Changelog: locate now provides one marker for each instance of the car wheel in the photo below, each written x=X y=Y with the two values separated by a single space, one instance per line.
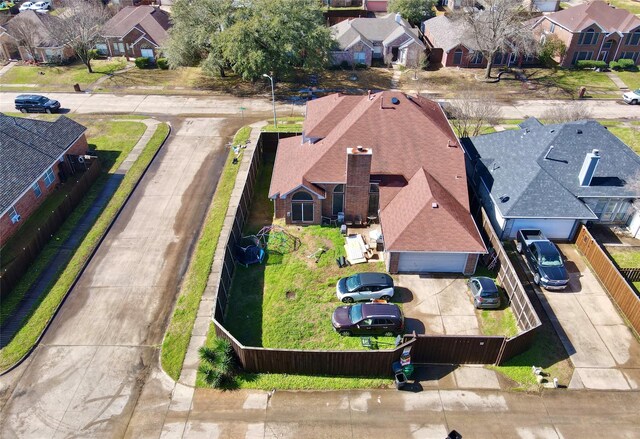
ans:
x=536 y=279
x=634 y=102
x=385 y=297
x=519 y=247
x=23 y=110
x=347 y=299
x=389 y=334
x=48 y=111
x=345 y=333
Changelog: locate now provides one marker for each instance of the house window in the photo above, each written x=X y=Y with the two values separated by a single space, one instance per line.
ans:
x=36 y=189
x=49 y=177
x=359 y=57
x=629 y=55
x=338 y=199
x=374 y=199
x=500 y=58
x=457 y=57
x=302 y=207
x=633 y=39
x=119 y=47
x=588 y=37
x=579 y=56
x=552 y=28
x=477 y=58
x=13 y=214
x=607 y=44
x=613 y=211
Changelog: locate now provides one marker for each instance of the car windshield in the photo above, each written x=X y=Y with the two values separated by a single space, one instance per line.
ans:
x=43 y=100
x=550 y=261
x=353 y=282
x=489 y=294
x=355 y=313
x=637 y=91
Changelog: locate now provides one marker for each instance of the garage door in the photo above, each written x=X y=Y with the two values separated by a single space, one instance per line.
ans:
x=432 y=262
x=552 y=228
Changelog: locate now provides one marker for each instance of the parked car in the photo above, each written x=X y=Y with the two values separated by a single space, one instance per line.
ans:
x=368 y=319
x=6 y=5
x=36 y=103
x=25 y=6
x=485 y=292
x=632 y=97
x=40 y=6
x=365 y=286
x=543 y=259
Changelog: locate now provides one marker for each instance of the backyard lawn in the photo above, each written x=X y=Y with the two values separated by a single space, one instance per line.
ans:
x=56 y=78
x=626 y=258
x=287 y=302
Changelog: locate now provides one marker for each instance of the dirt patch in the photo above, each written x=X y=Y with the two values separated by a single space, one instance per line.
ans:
x=291 y=295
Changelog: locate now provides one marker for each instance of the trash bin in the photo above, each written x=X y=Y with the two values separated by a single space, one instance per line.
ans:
x=408 y=370
x=401 y=380
x=76 y=87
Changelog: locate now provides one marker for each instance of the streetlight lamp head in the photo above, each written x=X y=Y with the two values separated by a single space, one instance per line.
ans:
x=265 y=75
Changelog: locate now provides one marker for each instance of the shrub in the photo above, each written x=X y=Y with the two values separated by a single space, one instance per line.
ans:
x=93 y=53
x=614 y=65
x=361 y=66
x=627 y=64
x=217 y=364
x=142 y=62
x=163 y=63
x=591 y=64
x=345 y=64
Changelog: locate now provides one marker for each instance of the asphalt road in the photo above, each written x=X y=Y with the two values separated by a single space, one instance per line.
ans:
x=231 y=106
x=85 y=377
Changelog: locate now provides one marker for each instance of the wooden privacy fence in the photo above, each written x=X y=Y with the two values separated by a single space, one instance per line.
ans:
x=619 y=289
x=446 y=349
x=12 y=272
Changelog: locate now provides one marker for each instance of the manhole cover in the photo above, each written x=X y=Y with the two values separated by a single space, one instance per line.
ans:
x=291 y=295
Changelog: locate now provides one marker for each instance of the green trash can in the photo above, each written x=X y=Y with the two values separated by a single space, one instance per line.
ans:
x=408 y=370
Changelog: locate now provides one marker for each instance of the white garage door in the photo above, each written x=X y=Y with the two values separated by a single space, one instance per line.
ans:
x=432 y=262
x=552 y=228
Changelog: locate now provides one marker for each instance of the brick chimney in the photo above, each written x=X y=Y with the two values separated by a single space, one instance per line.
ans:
x=357 y=188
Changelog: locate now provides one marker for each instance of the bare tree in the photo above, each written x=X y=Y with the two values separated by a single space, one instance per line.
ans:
x=418 y=63
x=501 y=27
x=79 y=27
x=567 y=113
x=469 y=115
x=26 y=37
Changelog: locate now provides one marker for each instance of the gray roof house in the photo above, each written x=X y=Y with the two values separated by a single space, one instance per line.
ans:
x=553 y=177
x=360 y=40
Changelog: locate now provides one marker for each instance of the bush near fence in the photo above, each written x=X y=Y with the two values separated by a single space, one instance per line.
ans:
x=13 y=272
x=447 y=349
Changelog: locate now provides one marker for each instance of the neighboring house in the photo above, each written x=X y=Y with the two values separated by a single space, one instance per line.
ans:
x=450 y=42
x=553 y=177
x=34 y=156
x=388 y=157
x=534 y=5
x=25 y=37
x=389 y=38
x=135 y=31
x=593 y=31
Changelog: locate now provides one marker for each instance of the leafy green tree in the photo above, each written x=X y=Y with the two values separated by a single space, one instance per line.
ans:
x=276 y=35
x=414 y=11
x=196 y=33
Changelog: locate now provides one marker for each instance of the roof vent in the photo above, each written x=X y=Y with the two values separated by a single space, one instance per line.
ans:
x=552 y=131
x=527 y=130
x=451 y=144
x=395 y=101
x=579 y=131
x=546 y=156
x=434 y=205
x=361 y=148
x=504 y=198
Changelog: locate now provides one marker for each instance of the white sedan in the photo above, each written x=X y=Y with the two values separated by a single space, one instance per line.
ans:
x=40 y=6
x=632 y=97
x=25 y=6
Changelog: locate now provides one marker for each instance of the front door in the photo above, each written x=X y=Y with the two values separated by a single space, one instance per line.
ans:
x=603 y=55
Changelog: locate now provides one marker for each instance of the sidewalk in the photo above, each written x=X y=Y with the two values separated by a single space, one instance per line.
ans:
x=13 y=324
x=6 y=68
x=617 y=81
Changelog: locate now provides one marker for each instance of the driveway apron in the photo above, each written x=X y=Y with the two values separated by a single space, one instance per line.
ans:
x=85 y=378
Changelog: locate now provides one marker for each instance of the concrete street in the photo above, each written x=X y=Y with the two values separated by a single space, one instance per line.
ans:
x=85 y=377
x=217 y=105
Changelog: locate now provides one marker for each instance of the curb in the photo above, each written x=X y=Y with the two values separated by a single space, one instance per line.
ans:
x=88 y=261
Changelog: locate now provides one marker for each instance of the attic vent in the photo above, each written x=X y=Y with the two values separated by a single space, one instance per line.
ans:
x=504 y=198
x=395 y=101
x=527 y=130
x=579 y=132
x=451 y=144
x=434 y=205
x=552 y=131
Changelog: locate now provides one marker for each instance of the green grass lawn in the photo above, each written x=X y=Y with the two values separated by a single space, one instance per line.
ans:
x=630 y=5
x=292 y=124
x=631 y=79
x=625 y=257
x=630 y=136
x=52 y=77
x=178 y=334
x=43 y=312
x=569 y=81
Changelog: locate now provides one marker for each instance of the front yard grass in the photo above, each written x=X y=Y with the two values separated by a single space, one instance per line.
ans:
x=630 y=136
x=630 y=5
x=28 y=335
x=631 y=79
x=178 y=334
x=60 y=77
x=292 y=124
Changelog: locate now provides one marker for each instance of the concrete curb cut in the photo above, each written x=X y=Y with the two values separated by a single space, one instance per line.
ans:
x=88 y=261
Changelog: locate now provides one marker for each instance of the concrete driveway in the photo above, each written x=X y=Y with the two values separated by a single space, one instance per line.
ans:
x=601 y=347
x=438 y=305
x=86 y=376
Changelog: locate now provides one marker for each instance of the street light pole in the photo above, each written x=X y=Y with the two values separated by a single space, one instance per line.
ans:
x=273 y=99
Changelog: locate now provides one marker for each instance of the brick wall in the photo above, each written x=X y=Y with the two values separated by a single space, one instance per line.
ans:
x=356 y=197
x=26 y=205
x=283 y=210
x=393 y=259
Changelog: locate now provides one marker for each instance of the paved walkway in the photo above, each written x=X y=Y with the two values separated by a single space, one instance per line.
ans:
x=13 y=324
x=395 y=78
x=617 y=81
x=6 y=68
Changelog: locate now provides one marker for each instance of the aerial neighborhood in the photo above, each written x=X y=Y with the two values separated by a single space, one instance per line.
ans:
x=214 y=213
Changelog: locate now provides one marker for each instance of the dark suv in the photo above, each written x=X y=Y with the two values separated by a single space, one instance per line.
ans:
x=36 y=103
x=368 y=319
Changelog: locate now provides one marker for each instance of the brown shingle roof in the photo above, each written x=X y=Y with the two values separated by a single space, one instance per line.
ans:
x=406 y=137
x=610 y=19
x=153 y=21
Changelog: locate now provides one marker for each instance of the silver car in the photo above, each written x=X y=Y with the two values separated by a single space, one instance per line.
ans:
x=365 y=286
x=485 y=292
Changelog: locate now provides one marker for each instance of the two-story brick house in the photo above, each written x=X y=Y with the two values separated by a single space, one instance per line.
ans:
x=593 y=31
x=34 y=156
x=135 y=31
x=386 y=157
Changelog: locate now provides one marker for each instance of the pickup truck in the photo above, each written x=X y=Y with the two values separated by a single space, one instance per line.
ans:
x=543 y=259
